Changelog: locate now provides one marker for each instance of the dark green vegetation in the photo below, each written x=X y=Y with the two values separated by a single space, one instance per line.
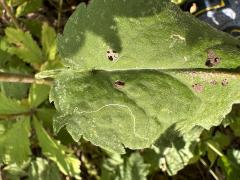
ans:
x=135 y=78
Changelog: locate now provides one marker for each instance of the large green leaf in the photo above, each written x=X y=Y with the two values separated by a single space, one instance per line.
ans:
x=145 y=34
x=155 y=76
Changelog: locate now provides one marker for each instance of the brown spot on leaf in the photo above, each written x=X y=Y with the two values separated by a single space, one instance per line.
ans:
x=112 y=55
x=197 y=87
x=212 y=59
x=193 y=73
x=224 y=82
x=213 y=82
x=119 y=84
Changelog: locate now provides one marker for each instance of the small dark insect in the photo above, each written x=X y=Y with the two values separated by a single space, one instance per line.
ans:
x=212 y=59
x=197 y=87
x=224 y=82
x=112 y=55
x=119 y=84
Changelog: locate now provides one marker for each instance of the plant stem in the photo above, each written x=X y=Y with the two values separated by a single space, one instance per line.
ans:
x=211 y=171
x=10 y=13
x=59 y=14
x=20 y=78
x=52 y=3
x=14 y=116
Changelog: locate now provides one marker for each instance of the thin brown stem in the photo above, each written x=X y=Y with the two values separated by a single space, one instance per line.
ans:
x=52 y=3
x=10 y=13
x=59 y=14
x=210 y=170
x=20 y=78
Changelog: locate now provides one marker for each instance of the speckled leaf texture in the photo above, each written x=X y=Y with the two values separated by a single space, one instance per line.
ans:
x=136 y=68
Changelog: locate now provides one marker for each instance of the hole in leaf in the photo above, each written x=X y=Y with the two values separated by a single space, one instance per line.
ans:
x=112 y=55
x=224 y=82
x=197 y=87
x=119 y=84
x=212 y=59
x=213 y=82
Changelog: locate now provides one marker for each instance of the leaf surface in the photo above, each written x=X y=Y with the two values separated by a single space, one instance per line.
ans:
x=38 y=94
x=23 y=46
x=41 y=169
x=11 y=106
x=128 y=168
x=133 y=74
x=28 y=7
x=231 y=164
x=15 y=145
x=175 y=151
x=48 y=41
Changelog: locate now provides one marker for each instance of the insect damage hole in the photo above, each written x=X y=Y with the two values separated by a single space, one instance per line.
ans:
x=213 y=82
x=224 y=82
x=197 y=87
x=212 y=59
x=112 y=55
x=119 y=84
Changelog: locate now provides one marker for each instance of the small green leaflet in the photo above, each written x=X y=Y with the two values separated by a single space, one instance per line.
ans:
x=231 y=164
x=15 y=145
x=126 y=168
x=48 y=41
x=23 y=46
x=41 y=169
x=11 y=106
x=67 y=163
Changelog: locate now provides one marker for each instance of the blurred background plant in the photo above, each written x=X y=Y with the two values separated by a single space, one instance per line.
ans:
x=28 y=147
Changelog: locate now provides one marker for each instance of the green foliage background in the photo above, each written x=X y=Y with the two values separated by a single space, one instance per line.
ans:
x=153 y=127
